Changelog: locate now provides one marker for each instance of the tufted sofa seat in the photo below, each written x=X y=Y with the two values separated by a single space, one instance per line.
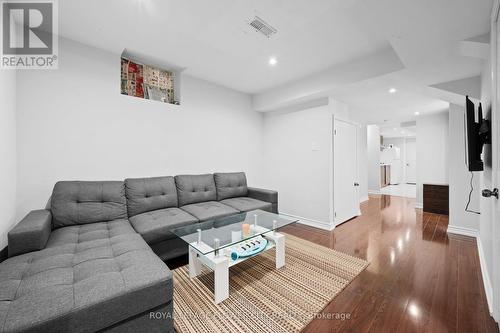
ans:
x=91 y=275
x=156 y=226
x=157 y=205
x=93 y=260
x=232 y=191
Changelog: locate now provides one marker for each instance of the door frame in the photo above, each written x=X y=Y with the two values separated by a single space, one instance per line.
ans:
x=336 y=118
x=495 y=121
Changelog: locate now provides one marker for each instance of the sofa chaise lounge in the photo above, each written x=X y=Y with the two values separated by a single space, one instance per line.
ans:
x=93 y=259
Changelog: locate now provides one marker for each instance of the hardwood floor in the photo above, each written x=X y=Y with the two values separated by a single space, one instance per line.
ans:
x=420 y=279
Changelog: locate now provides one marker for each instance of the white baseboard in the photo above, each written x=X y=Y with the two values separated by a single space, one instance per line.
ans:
x=311 y=222
x=364 y=198
x=375 y=192
x=419 y=205
x=488 y=289
x=462 y=231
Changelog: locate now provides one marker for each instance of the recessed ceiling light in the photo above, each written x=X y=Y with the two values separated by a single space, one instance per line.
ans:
x=417 y=113
x=273 y=61
x=392 y=90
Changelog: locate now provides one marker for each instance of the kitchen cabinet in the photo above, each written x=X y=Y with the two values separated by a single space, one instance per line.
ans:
x=385 y=175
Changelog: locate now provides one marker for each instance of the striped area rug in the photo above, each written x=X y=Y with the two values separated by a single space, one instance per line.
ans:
x=262 y=298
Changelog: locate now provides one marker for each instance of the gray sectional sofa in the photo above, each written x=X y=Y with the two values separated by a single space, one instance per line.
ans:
x=93 y=260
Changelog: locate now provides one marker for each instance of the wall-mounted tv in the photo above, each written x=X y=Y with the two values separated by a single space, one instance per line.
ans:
x=477 y=133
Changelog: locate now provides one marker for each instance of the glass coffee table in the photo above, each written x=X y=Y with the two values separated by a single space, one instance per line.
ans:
x=221 y=243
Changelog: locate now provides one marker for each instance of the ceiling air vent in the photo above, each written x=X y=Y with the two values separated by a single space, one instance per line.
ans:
x=262 y=26
x=408 y=124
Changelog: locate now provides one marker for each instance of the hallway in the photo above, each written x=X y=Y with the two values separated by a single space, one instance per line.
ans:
x=420 y=279
x=400 y=190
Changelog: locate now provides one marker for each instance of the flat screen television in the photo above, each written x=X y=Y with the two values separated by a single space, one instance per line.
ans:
x=477 y=133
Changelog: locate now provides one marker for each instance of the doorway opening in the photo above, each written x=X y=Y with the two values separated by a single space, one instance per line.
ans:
x=398 y=161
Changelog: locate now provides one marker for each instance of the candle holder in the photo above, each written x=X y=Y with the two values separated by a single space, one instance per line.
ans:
x=216 y=246
x=245 y=230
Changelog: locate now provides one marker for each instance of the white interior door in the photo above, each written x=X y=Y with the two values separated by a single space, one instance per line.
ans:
x=411 y=161
x=346 y=197
x=495 y=121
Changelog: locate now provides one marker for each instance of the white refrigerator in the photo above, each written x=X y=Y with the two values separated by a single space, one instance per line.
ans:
x=392 y=155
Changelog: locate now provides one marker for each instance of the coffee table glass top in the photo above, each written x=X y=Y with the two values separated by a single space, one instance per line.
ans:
x=231 y=230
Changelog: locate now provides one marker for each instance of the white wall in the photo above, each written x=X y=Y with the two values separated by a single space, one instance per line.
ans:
x=298 y=155
x=432 y=151
x=7 y=152
x=459 y=176
x=373 y=149
x=73 y=123
x=298 y=159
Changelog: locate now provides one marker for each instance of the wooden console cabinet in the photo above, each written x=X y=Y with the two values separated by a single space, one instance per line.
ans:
x=436 y=198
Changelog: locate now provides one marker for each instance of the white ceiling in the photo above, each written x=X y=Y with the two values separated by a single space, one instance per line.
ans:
x=213 y=41
x=396 y=131
x=372 y=103
x=425 y=35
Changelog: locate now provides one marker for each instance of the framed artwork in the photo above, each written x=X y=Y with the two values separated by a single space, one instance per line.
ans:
x=147 y=82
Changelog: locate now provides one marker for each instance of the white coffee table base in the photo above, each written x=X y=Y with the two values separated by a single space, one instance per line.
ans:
x=220 y=264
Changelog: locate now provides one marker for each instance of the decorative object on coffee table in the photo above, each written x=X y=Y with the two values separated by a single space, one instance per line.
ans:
x=214 y=251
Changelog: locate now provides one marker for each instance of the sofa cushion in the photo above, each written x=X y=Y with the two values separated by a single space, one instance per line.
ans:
x=230 y=185
x=96 y=232
x=204 y=211
x=81 y=202
x=195 y=188
x=147 y=194
x=88 y=278
x=245 y=204
x=156 y=226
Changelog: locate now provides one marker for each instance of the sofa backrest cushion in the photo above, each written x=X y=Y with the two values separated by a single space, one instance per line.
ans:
x=195 y=188
x=83 y=202
x=230 y=185
x=148 y=194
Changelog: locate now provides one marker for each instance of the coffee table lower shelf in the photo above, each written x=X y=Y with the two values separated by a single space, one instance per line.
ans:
x=220 y=264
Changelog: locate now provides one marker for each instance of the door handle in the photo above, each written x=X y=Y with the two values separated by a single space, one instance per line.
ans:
x=488 y=193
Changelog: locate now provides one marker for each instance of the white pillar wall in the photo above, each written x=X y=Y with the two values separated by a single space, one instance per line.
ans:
x=459 y=176
x=432 y=151
x=373 y=163
x=302 y=140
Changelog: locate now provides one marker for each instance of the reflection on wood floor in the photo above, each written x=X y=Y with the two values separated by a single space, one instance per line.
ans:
x=420 y=279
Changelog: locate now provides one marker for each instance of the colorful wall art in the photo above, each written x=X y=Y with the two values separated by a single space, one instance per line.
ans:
x=147 y=82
